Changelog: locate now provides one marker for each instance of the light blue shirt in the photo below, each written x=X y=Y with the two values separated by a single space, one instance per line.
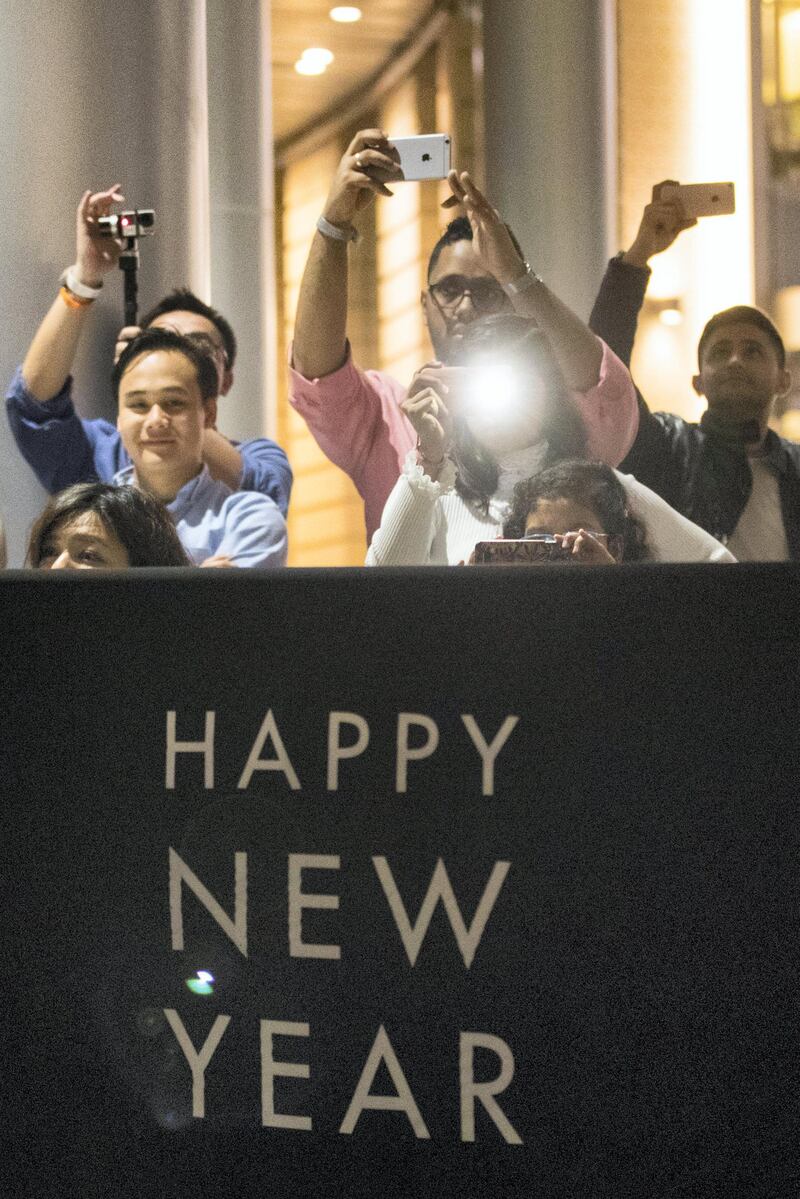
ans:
x=212 y=520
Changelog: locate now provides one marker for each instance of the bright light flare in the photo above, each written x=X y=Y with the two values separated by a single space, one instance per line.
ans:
x=317 y=54
x=499 y=398
x=496 y=387
x=202 y=984
x=306 y=67
x=314 y=61
x=672 y=317
x=345 y=14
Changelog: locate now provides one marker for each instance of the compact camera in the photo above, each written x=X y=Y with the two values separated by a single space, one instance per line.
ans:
x=137 y=222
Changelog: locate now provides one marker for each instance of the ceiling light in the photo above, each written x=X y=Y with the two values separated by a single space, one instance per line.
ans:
x=345 y=13
x=317 y=54
x=309 y=66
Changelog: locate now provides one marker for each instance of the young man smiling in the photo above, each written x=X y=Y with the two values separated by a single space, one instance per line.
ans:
x=60 y=447
x=166 y=389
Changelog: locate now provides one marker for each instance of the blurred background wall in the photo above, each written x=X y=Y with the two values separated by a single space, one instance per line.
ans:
x=229 y=119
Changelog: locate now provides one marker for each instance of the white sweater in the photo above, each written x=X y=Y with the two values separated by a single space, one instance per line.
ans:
x=429 y=524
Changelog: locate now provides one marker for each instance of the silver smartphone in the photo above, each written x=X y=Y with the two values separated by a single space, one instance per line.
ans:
x=423 y=157
x=702 y=199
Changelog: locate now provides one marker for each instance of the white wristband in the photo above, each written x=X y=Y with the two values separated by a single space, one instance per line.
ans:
x=82 y=290
x=335 y=232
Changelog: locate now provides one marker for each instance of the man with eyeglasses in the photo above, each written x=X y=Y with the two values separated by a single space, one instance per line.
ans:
x=62 y=448
x=476 y=268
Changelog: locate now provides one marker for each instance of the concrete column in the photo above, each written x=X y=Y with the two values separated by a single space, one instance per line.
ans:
x=94 y=93
x=548 y=110
x=243 y=206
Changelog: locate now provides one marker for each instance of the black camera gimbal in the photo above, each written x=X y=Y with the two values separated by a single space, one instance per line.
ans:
x=129 y=227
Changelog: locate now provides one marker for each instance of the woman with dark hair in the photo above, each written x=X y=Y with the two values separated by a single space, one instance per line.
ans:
x=508 y=415
x=95 y=526
x=514 y=392
x=531 y=387
x=576 y=500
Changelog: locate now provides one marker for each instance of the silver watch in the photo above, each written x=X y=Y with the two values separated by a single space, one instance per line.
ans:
x=523 y=283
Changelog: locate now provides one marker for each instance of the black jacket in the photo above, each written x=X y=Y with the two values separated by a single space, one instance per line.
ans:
x=695 y=470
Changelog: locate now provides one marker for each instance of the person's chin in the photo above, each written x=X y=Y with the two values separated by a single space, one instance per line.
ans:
x=736 y=404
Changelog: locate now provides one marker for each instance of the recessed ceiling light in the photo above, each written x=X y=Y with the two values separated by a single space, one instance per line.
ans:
x=345 y=13
x=310 y=66
x=317 y=54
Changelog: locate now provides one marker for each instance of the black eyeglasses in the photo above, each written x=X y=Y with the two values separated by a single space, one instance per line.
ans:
x=486 y=294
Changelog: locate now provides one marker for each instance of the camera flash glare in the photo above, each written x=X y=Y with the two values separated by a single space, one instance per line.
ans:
x=494 y=389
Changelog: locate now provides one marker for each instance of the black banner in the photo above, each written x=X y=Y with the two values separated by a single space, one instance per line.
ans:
x=425 y=883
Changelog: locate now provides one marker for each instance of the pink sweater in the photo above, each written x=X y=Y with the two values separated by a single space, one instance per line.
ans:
x=357 y=422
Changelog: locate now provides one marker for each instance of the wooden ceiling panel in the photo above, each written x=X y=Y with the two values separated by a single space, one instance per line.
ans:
x=358 y=49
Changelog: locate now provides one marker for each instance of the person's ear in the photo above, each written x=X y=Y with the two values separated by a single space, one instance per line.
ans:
x=227 y=382
x=784 y=383
x=210 y=409
x=697 y=384
x=425 y=300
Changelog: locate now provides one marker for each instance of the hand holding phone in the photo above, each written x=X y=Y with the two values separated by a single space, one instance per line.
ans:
x=701 y=199
x=423 y=157
x=579 y=547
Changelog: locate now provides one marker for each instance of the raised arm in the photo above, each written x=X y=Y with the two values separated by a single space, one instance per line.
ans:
x=616 y=310
x=49 y=359
x=320 y=334
x=410 y=532
x=578 y=352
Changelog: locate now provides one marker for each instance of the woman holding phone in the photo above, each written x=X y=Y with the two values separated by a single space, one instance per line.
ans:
x=512 y=409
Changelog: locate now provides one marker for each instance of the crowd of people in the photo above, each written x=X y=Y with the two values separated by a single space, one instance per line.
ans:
x=525 y=424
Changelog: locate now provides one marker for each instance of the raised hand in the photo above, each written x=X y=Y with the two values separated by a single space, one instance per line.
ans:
x=490 y=237
x=124 y=338
x=586 y=548
x=368 y=164
x=662 y=221
x=426 y=408
x=96 y=254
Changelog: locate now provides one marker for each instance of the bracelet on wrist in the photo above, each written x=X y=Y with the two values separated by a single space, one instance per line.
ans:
x=73 y=301
x=82 y=290
x=516 y=286
x=423 y=457
x=337 y=232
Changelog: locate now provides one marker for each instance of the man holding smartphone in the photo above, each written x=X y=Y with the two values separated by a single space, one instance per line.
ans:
x=475 y=269
x=730 y=473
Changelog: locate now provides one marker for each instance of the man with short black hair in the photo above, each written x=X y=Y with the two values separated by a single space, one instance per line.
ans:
x=730 y=473
x=166 y=388
x=62 y=448
x=476 y=268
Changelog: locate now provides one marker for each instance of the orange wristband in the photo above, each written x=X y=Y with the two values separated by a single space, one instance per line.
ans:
x=73 y=301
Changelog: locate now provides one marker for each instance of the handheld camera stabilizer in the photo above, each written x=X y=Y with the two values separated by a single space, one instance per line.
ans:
x=129 y=227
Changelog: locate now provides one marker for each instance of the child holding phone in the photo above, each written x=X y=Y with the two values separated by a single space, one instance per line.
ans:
x=584 y=507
